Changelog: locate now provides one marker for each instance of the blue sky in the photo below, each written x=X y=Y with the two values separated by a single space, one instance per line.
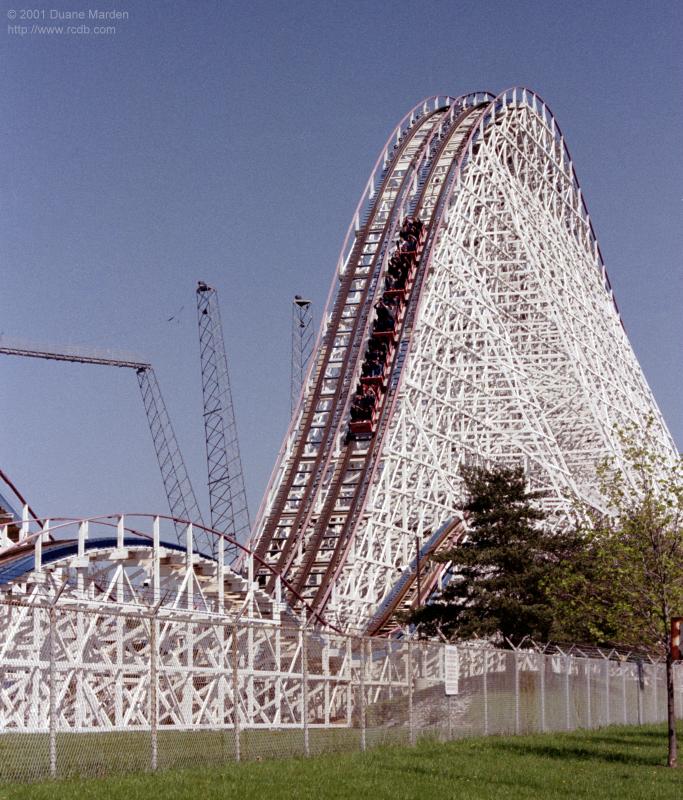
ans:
x=229 y=142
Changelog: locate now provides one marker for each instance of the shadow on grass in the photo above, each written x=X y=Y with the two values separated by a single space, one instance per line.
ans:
x=569 y=753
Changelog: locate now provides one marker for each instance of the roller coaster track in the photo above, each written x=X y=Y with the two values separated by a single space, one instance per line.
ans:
x=338 y=346
x=517 y=355
x=402 y=183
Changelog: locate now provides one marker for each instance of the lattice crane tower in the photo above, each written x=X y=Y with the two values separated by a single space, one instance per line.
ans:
x=302 y=347
x=496 y=338
x=227 y=495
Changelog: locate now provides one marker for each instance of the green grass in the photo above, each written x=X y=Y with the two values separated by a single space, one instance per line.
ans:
x=625 y=763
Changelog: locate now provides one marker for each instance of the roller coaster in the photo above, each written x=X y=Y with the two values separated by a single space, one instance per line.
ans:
x=470 y=320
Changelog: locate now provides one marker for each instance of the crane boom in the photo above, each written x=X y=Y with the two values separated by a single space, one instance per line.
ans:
x=179 y=492
x=181 y=497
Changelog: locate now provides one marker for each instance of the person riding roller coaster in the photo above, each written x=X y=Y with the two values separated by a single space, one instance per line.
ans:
x=411 y=227
x=378 y=348
x=373 y=367
x=397 y=272
x=385 y=317
x=408 y=243
x=363 y=404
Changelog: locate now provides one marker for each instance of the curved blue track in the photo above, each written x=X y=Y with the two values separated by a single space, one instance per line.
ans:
x=23 y=563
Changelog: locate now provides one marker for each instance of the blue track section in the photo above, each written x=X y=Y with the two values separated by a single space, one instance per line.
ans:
x=22 y=564
x=409 y=573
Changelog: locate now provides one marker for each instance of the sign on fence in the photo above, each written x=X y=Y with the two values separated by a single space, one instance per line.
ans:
x=451 y=669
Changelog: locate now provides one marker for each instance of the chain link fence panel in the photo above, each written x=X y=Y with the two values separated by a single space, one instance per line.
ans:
x=97 y=690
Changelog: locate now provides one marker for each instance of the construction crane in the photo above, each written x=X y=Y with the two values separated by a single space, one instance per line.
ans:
x=302 y=346
x=177 y=485
x=227 y=496
x=181 y=497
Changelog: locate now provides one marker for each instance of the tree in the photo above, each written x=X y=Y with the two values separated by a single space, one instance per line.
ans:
x=634 y=585
x=504 y=566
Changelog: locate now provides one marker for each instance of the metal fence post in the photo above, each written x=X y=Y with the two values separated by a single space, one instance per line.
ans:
x=235 y=692
x=304 y=681
x=153 y=700
x=450 y=717
x=53 y=713
x=623 y=692
x=566 y=692
x=607 y=698
x=587 y=666
x=517 y=721
x=52 y=719
x=485 y=692
x=411 y=721
x=361 y=676
x=349 y=687
x=542 y=671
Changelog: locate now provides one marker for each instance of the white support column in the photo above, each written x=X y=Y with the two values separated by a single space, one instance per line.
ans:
x=83 y=529
x=120 y=532
x=220 y=575
x=188 y=688
x=82 y=537
x=120 y=624
x=189 y=565
x=80 y=704
x=278 y=649
x=25 y=523
x=52 y=713
x=38 y=546
x=250 y=578
x=156 y=585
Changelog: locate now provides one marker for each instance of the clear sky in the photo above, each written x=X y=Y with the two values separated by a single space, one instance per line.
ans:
x=229 y=142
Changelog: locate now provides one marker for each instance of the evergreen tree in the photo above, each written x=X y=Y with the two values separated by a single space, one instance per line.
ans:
x=503 y=568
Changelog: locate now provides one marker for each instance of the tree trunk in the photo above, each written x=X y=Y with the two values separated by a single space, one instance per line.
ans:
x=672 y=760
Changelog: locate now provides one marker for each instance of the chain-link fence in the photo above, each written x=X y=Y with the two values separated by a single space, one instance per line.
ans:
x=106 y=689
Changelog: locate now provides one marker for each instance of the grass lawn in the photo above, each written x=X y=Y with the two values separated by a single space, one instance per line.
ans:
x=617 y=762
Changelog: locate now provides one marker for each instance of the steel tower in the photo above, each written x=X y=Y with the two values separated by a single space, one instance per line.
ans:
x=227 y=496
x=302 y=346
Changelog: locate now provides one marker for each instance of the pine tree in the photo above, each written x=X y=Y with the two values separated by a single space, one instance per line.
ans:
x=502 y=570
